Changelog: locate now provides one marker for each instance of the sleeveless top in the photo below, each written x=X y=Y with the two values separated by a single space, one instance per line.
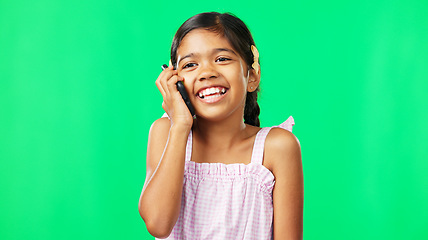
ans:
x=227 y=201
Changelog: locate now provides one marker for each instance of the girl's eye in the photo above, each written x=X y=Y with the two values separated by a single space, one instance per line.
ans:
x=221 y=59
x=188 y=65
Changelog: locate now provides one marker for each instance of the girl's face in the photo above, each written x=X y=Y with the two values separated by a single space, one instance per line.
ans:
x=215 y=76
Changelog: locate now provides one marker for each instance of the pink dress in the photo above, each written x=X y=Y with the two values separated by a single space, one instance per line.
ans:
x=227 y=201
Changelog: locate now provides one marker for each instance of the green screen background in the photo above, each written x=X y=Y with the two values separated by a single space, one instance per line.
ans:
x=77 y=98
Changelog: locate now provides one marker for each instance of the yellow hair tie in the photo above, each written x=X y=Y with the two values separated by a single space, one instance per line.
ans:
x=256 y=64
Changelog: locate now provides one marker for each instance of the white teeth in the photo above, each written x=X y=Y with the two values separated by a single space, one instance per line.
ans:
x=210 y=91
x=210 y=97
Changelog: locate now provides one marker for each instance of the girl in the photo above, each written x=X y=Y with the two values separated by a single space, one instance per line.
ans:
x=219 y=176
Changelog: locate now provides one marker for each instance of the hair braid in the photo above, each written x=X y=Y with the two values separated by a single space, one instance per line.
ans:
x=252 y=109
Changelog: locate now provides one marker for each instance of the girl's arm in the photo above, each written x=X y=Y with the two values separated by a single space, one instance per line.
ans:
x=282 y=151
x=160 y=200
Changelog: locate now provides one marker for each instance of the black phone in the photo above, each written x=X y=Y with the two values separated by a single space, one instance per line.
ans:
x=182 y=90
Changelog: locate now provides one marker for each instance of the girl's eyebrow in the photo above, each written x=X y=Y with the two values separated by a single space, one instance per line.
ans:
x=225 y=50
x=215 y=50
x=187 y=56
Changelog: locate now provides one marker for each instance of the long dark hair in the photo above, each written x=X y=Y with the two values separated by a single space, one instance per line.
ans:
x=238 y=35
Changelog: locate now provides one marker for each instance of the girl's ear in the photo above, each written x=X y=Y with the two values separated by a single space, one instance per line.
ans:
x=253 y=80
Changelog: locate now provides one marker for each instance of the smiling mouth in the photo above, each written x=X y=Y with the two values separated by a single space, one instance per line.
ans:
x=211 y=93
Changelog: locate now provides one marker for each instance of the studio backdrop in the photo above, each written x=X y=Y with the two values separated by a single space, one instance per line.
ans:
x=78 y=96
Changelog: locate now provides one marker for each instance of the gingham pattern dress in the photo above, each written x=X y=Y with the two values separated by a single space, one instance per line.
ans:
x=227 y=201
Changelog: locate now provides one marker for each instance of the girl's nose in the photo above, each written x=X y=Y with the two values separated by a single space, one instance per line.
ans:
x=207 y=71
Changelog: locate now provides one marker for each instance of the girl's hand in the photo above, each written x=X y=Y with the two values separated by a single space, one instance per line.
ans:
x=173 y=103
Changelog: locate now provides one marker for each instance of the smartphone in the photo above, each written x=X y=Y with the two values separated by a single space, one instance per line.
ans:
x=182 y=90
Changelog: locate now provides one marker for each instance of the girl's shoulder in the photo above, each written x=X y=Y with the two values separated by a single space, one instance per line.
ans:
x=160 y=123
x=280 y=138
x=282 y=149
x=159 y=130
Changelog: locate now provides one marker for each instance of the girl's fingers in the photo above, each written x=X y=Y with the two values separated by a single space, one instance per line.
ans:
x=172 y=83
x=159 y=86
x=161 y=82
x=167 y=85
x=173 y=103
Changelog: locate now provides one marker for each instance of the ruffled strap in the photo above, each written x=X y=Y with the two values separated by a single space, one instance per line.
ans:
x=288 y=124
x=259 y=142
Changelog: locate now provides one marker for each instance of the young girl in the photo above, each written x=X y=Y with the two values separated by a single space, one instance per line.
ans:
x=219 y=175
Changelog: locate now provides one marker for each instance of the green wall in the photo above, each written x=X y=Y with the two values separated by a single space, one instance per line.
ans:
x=77 y=97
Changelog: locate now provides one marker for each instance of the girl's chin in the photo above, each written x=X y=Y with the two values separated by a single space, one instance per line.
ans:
x=214 y=114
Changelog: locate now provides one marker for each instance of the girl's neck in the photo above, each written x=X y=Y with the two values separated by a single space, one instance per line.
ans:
x=220 y=133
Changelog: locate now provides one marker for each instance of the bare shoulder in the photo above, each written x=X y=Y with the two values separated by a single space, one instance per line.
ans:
x=279 y=137
x=159 y=131
x=158 y=136
x=160 y=127
x=282 y=150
